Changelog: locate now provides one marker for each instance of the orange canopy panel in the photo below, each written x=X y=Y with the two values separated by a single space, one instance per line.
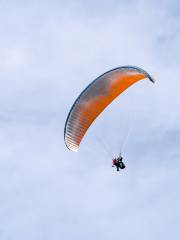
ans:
x=95 y=98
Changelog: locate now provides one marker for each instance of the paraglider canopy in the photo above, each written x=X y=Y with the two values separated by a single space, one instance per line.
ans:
x=95 y=98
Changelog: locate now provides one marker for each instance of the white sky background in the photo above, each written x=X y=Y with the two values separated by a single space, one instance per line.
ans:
x=49 y=51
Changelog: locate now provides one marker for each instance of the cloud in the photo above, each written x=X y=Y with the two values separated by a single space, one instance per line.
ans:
x=49 y=53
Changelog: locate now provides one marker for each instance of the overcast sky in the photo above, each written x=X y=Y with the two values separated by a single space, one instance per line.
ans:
x=49 y=52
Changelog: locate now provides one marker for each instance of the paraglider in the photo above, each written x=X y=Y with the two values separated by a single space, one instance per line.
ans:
x=118 y=163
x=95 y=98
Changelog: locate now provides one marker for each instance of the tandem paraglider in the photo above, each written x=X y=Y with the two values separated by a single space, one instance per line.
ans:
x=118 y=163
x=94 y=99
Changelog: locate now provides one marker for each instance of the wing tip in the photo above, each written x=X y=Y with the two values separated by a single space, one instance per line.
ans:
x=71 y=147
x=152 y=79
